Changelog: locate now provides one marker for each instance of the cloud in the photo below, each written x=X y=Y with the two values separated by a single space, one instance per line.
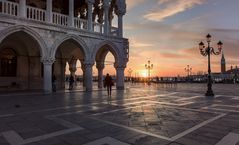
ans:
x=170 y=55
x=172 y=47
x=171 y=7
x=133 y=3
x=193 y=52
x=135 y=43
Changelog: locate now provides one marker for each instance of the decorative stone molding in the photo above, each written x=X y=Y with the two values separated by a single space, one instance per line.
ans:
x=121 y=7
x=106 y=3
x=49 y=36
x=120 y=66
x=48 y=61
x=88 y=65
x=100 y=65
x=112 y=47
x=76 y=38
x=90 y=1
x=18 y=28
x=72 y=69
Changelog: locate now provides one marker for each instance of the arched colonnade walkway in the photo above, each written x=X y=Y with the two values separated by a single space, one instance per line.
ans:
x=28 y=59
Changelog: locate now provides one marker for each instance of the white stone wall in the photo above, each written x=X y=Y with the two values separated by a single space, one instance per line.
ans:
x=49 y=37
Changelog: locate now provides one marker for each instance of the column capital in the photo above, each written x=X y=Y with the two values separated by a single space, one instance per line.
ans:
x=87 y=65
x=120 y=66
x=48 y=61
x=100 y=65
x=90 y=1
x=121 y=7
x=72 y=69
x=106 y=3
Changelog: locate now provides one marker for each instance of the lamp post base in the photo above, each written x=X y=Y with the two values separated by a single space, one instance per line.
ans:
x=209 y=93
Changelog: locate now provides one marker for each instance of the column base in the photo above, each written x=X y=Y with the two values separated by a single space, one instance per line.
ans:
x=88 y=89
x=46 y=92
x=120 y=88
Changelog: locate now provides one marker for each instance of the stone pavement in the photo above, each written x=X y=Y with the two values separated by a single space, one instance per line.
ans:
x=138 y=115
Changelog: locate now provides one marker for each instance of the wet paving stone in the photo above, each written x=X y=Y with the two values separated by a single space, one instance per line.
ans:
x=140 y=115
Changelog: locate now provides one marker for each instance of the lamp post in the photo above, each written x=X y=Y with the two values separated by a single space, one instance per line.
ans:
x=149 y=67
x=188 y=70
x=130 y=72
x=208 y=51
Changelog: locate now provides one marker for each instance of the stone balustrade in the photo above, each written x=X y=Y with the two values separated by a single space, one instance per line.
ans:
x=37 y=14
x=114 y=31
x=97 y=27
x=9 y=8
x=80 y=23
x=59 y=19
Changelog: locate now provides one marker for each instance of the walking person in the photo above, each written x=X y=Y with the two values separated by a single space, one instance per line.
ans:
x=108 y=83
x=71 y=82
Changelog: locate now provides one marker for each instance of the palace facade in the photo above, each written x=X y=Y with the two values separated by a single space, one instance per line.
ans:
x=38 y=37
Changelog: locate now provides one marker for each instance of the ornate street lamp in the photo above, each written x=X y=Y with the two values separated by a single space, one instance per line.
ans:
x=208 y=51
x=188 y=70
x=149 y=67
x=130 y=72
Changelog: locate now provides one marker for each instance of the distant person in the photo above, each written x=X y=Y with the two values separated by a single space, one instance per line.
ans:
x=71 y=82
x=108 y=83
x=53 y=83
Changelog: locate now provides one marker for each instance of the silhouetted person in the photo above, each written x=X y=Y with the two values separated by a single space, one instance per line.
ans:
x=108 y=83
x=71 y=82
x=53 y=83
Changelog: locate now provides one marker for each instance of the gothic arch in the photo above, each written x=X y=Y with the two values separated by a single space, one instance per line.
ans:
x=84 y=48
x=102 y=49
x=20 y=28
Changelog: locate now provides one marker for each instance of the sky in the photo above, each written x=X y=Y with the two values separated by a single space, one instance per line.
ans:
x=167 y=33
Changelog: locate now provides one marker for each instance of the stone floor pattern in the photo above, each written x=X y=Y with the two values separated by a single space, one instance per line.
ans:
x=139 y=115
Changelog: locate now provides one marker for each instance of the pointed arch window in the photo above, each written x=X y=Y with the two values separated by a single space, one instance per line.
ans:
x=8 y=63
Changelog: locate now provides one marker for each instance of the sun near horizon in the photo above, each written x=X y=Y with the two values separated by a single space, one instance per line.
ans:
x=167 y=32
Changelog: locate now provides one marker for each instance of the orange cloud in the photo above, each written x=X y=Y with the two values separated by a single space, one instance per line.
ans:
x=133 y=3
x=137 y=43
x=171 y=55
x=170 y=8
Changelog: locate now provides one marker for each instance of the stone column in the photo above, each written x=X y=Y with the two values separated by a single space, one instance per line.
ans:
x=88 y=76
x=89 y=14
x=72 y=68
x=106 y=6
x=49 y=11
x=83 y=71
x=22 y=8
x=120 y=77
x=100 y=68
x=71 y=13
x=63 y=70
x=47 y=75
x=120 y=12
x=120 y=25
